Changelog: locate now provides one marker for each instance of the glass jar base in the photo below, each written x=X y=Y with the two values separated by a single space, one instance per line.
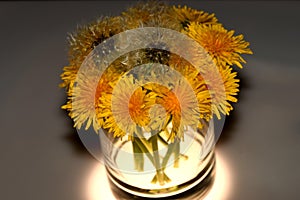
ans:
x=195 y=188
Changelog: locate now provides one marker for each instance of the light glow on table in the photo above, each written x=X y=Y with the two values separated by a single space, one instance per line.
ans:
x=98 y=188
x=222 y=185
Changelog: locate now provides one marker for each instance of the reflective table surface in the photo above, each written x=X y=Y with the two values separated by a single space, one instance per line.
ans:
x=42 y=156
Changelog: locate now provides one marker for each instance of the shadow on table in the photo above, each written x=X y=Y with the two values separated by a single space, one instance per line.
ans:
x=233 y=119
x=79 y=141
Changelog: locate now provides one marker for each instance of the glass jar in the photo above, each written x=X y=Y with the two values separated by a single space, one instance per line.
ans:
x=150 y=164
x=170 y=169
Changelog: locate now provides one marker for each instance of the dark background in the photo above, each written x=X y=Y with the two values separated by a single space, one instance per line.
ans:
x=41 y=154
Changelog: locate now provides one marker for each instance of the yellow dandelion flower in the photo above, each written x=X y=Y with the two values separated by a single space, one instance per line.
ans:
x=224 y=48
x=180 y=102
x=214 y=87
x=231 y=85
x=126 y=109
x=82 y=104
x=138 y=108
x=196 y=81
x=68 y=76
x=187 y=15
x=106 y=116
x=180 y=64
x=83 y=41
x=203 y=96
x=222 y=91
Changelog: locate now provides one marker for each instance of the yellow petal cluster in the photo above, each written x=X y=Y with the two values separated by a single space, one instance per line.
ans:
x=221 y=44
x=188 y=15
x=122 y=105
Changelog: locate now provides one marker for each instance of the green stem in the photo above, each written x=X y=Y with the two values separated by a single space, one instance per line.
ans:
x=176 y=152
x=144 y=149
x=139 y=133
x=168 y=155
x=172 y=148
x=138 y=157
x=159 y=172
x=166 y=144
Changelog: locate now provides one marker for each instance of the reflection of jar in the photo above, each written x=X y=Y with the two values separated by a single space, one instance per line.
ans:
x=180 y=165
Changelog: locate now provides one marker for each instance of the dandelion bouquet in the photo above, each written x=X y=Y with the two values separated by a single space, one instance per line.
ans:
x=149 y=78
